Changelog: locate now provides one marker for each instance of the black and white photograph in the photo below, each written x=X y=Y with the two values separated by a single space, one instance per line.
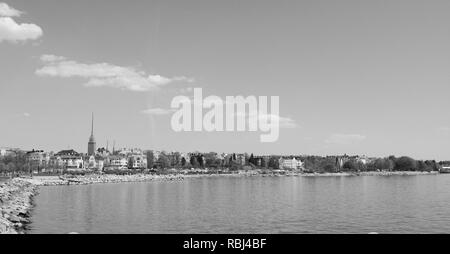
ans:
x=224 y=117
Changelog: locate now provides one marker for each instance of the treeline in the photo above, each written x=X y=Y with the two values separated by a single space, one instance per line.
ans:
x=396 y=164
x=16 y=163
x=313 y=164
x=354 y=164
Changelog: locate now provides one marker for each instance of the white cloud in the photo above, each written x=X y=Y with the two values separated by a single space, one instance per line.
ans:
x=104 y=74
x=157 y=111
x=345 y=139
x=284 y=122
x=11 y=31
x=7 y=11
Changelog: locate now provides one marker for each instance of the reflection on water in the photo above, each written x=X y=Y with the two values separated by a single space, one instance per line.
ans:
x=395 y=204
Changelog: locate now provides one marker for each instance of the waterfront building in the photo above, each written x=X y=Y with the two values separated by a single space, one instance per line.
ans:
x=364 y=159
x=104 y=152
x=100 y=164
x=3 y=151
x=36 y=158
x=95 y=163
x=227 y=159
x=116 y=162
x=241 y=159
x=69 y=159
x=92 y=144
x=174 y=158
x=290 y=163
x=6 y=151
x=129 y=151
x=262 y=161
x=156 y=155
x=91 y=162
x=55 y=163
x=137 y=161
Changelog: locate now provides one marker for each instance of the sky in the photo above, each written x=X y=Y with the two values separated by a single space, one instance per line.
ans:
x=353 y=77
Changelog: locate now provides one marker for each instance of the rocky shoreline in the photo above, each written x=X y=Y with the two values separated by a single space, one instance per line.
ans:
x=98 y=179
x=16 y=203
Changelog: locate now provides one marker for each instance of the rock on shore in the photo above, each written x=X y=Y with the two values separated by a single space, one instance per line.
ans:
x=16 y=202
x=96 y=179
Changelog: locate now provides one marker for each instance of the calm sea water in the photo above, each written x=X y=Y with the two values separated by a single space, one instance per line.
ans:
x=394 y=204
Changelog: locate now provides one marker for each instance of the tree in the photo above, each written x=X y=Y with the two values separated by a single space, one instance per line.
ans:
x=351 y=165
x=11 y=167
x=234 y=166
x=194 y=161
x=381 y=164
x=251 y=160
x=3 y=168
x=164 y=161
x=201 y=160
x=309 y=165
x=274 y=162
x=150 y=159
x=212 y=160
x=328 y=167
x=405 y=164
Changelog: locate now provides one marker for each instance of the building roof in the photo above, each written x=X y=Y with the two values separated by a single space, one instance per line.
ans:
x=68 y=153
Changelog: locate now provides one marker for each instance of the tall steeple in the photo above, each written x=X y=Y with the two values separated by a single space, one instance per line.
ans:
x=92 y=126
x=92 y=143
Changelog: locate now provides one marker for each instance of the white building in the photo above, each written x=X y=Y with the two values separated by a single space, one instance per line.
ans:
x=68 y=159
x=293 y=163
x=117 y=162
x=6 y=151
x=364 y=160
x=36 y=157
x=137 y=161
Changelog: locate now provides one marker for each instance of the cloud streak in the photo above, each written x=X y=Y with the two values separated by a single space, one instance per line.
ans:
x=284 y=122
x=14 y=32
x=157 y=111
x=104 y=74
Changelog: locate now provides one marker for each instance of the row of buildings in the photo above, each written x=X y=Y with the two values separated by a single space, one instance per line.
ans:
x=71 y=160
x=136 y=159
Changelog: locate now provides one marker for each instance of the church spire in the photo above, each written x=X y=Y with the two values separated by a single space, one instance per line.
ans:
x=92 y=127
x=92 y=143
